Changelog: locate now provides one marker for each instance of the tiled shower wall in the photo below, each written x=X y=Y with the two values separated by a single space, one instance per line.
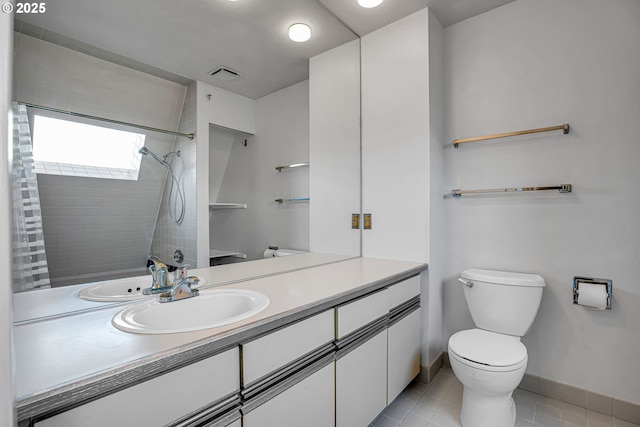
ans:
x=96 y=228
x=170 y=236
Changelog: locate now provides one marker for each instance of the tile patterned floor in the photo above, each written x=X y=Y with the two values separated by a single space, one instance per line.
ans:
x=438 y=405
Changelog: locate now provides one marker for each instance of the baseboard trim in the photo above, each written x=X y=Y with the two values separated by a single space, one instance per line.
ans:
x=621 y=409
x=428 y=373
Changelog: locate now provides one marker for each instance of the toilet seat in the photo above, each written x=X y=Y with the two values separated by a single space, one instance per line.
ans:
x=488 y=351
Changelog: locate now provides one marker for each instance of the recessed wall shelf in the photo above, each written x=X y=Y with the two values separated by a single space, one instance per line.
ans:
x=227 y=206
x=564 y=128
x=562 y=188
x=293 y=200
x=295 y=165
x=217 y=253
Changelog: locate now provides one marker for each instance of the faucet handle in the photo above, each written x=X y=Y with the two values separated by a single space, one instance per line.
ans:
x=157 y=262
x=181 y=273
x=181 y=290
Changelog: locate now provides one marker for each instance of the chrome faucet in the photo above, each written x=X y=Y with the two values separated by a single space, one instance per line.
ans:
x=160 y=276
x=181 y=290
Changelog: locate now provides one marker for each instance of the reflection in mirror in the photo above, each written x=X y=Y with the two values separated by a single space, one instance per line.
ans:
x=95 y=224
x=98 y=226
x=252 y=184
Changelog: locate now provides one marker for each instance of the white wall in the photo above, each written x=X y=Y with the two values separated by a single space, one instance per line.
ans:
x=536 y=63
x=225 y=109
x=79 y=212
x=334 y=107
x=281 y=138
x=437 y=215
x=7 y=415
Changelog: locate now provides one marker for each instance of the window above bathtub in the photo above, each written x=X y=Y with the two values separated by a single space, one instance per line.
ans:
x=63 y=147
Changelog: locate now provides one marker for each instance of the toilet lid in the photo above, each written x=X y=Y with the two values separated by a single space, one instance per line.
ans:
x=488 y=348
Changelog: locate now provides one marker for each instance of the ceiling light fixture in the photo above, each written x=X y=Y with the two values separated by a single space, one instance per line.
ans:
x=299 y=32
x=370 y=3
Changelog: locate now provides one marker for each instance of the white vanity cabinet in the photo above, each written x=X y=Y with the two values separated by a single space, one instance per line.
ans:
x=361 y=360
x=288 y=377
x=162 y=400
x=403 y=335
x=378 y=340
x=338 y=363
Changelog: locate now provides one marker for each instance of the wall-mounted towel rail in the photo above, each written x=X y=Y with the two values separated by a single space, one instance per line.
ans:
x=102 y=119
x=564 y=128
x=293 y=200
x=295 y=165
x=562 y=188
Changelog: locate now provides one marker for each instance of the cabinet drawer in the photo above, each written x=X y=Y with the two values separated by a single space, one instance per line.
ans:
x=160 y=400
x=275 y=350
x=403 y=291
x=355 y=315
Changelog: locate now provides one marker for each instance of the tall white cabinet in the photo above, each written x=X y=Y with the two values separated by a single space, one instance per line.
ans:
x=395 y=139
x=401 y=154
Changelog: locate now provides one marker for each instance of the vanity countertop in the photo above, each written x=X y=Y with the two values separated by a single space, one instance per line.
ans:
x=67 y=359
x=47 y=303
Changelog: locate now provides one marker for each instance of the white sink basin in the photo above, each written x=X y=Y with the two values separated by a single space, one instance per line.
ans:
x=212 y=308
x=129 y=289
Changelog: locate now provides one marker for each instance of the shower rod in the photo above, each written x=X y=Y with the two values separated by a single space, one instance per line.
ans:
x=102 y=119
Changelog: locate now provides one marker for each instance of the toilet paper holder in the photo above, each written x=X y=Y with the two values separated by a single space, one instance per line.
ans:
x=592 y=280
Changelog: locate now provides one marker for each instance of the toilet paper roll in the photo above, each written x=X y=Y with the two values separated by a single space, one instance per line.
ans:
x=269 y=253
x=592 y=295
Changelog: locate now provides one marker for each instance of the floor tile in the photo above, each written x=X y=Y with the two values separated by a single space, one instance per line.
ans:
x=438 y=405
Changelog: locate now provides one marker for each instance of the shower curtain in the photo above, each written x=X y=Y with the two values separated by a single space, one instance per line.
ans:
x=29 y=260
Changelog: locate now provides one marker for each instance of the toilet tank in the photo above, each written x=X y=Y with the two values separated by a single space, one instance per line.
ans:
x=503 y=302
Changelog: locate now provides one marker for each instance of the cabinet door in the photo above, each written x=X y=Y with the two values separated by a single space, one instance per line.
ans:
x=404 y=353
x=160 y=400
x=309 y=403
x=395 y=140
x=361 y=383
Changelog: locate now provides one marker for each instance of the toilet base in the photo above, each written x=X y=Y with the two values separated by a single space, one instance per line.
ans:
x=487 y=411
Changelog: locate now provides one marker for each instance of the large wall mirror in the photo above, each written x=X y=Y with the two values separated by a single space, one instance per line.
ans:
x=145 y=63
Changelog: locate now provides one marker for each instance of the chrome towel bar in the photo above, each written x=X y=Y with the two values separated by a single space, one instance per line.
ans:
x=293 y=200
x=295 y=165
x=564 y=128
x=562 y=188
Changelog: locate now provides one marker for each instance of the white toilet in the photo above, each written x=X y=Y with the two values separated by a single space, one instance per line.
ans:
x=490 y=361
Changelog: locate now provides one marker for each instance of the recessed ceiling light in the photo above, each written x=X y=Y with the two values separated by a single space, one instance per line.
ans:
x=299 y=32
x=370 y=3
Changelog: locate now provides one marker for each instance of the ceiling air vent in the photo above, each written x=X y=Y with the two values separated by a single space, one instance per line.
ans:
x=224 y=73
